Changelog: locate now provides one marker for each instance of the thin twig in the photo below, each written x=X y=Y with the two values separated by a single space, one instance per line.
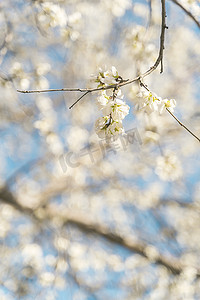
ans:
x=79 y=99
x=187 y=12
x=121 y=83
x=162 y=40
x=83 y=90
x=180 y=123
x=53 y=90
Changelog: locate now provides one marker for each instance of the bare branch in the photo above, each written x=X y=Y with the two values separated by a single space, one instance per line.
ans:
x=122 y=82
x=89 y=226
x=7 y=197
x=180 y=123
x=162 y=40
x=187 y=12
x=79 y=99
x=138 y=78
x=53 y=90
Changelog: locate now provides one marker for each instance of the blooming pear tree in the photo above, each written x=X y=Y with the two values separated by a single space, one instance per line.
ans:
x=99 y=174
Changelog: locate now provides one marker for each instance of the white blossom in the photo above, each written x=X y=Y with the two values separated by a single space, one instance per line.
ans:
x=168 y=167
x=149 y=102
x=106 y=77
x=170 y=104
x=118 y=108
x=105 y=127
x=113 y=108
x=102 y=100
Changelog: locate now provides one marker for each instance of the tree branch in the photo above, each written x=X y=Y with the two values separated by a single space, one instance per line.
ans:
x=180 y=123
x=162 y=40
x=7 y=197
x=89 y=226
x=122 y=82
x=86 y=224
x=79 y=99
x=187 y=12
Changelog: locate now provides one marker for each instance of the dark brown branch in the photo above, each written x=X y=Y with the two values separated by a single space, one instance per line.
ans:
x=7 y=197
x=187 y=12
x=162 y=40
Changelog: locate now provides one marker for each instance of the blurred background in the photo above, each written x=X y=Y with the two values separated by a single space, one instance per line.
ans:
x=80 y=218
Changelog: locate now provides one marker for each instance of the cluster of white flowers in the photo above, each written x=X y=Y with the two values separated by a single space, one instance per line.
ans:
x=112 y=106
x=150 y=102
x=107 y=77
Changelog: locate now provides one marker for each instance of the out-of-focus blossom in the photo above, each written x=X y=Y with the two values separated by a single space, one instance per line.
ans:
x=118 y=7
x=168 y=167
x=52 y=15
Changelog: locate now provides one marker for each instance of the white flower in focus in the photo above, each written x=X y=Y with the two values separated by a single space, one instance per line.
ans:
x=111 y=104
x=102 y=100
x=106 y=77
x=105 y=127
x=114 y=72
x=118 y=108
x=149 y=102
x=170 y=104
x=168 y=167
